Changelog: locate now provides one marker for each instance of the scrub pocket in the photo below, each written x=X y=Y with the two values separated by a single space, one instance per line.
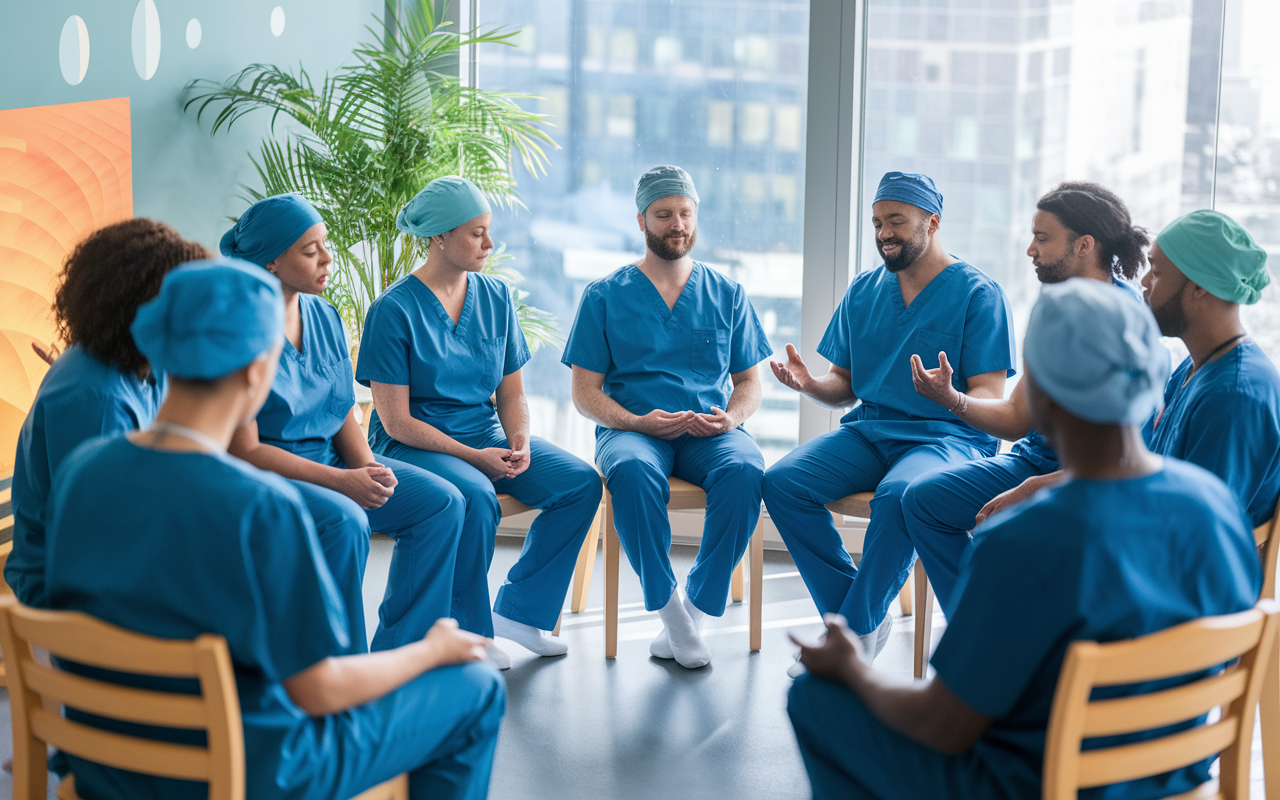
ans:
x=927 y=345
x=710 y=353
x=492 y=358
x=342 y=395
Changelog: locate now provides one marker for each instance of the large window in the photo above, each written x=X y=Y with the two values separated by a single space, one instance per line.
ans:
x=716 y=87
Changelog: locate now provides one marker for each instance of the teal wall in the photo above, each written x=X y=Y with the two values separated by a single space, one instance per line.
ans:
x=180 y=174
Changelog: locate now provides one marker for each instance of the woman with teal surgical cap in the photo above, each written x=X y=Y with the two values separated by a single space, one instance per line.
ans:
x=307 y=432
x=438 y=345
x=163 y=533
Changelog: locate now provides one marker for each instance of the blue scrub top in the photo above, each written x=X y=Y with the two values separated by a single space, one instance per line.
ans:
x=1034 y=447
x=79 y=398
x=675 y=359
x=1096 y=560
x=213 y=545
x=873 y=334
x=1227 y=420
x=312 y=392
x=452 y=370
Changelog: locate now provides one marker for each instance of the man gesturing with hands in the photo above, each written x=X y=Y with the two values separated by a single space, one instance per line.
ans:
x=664 y=356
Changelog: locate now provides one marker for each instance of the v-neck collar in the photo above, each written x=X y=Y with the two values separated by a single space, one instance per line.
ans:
x=928 y=291
x=299 y=353
x=669 y=315
x=464 y=316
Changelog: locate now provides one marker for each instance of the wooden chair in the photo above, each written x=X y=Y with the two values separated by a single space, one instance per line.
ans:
x=1264 y=536
x=684 y=495
x=81 y=638
x=1191 y=647
x=6 y=508
x=859 y=505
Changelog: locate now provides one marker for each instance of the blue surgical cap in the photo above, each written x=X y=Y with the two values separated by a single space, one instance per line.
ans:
x=445 y=204
x=1096 y=352
x=211 y=318
x=664 y=181
x=1218 y=254
x=910 y=188
x=269 y=228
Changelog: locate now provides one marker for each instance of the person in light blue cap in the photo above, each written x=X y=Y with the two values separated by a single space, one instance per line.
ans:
x=163 y=533
x=922 y=304
x=1131 y=543
x=100 y=385
x=442 y=352
x=307 y=432
x=664 y=355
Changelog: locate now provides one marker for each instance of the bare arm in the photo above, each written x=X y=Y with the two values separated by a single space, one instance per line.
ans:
x=992 y=414
x=513 y=413
x=342 y=682
x=369 y=484
x=925 y=711
x=833 y=390
x=591 y=401
x=392 y=402
x=351 y=443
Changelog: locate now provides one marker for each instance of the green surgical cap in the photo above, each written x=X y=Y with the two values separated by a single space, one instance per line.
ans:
x=665 y=181
x=445 y=204
x=1215 y=252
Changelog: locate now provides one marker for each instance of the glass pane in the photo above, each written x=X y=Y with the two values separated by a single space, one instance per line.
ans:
x=716 y=87
x=1000 y=100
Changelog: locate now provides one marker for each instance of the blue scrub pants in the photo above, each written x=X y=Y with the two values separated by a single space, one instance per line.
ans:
x=728 y=467
x=832 y=466
x=851 y=755
x=424 y=516
x=565 y=488
x=940 y=509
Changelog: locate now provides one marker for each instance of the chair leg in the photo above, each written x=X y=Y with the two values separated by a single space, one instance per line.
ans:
x=611 y=547
x=556 y=630
x=1270 y=713
x=904 y=598
x=757 y=584
x=923 y=618
x=735 y=586
x=586 y=564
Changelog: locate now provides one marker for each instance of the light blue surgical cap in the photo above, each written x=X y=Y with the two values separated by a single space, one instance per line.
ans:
x=664 y=181
x=1096 y=352
x=1217 y=253
x=211 y=318
x=445 y=204
x=269 y=228
x=912 y=189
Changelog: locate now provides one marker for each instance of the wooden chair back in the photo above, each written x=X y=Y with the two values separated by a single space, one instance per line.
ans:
x=1191 y=647
x=83 y=639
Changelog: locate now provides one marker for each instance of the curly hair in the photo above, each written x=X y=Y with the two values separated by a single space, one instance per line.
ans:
x=108 y=275
x=1090 y=209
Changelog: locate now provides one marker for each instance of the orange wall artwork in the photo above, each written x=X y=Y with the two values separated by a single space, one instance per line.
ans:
x=65 y=171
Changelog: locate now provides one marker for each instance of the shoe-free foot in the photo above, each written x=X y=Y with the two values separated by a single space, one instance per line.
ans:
x=528 y=637
x=497 y=656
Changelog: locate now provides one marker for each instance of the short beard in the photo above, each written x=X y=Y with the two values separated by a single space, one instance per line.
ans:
x=1057 y=272
x=663 y=249
x=908 y=251
x=1171 y=316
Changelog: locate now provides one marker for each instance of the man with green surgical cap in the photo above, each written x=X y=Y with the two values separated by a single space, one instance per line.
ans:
x=1222 y=404
x=664 y=355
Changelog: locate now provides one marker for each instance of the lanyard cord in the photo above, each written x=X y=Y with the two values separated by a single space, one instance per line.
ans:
x=199 y=437
x=1196 y=368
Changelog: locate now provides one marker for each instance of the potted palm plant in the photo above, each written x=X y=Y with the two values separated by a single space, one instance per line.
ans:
x=372 y=134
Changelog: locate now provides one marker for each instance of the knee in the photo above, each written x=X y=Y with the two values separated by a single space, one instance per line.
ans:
x=342 y=517
x=778 y=484
x=483 y=682
x=634 y=475
x=587 y=488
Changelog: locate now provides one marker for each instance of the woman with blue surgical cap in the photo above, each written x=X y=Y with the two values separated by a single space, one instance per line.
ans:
x=307 y=432
x=163 y=533
x=1130 y=544
x=438 y=345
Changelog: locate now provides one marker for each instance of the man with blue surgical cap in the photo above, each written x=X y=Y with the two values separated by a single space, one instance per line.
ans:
x=664 y=355
x=163 y=533
x=923 y=303
x=1091 y=555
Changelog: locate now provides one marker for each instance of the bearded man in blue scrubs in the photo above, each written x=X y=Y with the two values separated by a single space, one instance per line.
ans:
x=1080 y=230
x=923 y=303
x=1086 y=560
x=664 y=356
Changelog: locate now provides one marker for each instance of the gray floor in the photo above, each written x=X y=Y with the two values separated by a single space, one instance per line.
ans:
x=636 y=727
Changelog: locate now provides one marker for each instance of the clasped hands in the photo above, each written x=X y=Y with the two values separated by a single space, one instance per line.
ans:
x=502 y=462
x=671 y=424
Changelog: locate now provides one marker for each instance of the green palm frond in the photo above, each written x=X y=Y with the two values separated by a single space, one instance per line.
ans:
x=370 y=135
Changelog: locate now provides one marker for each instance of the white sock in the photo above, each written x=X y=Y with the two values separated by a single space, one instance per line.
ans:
x=686 y=645
x=696 y=615
x=661 y=646
x=498 y=656
x=528 y=637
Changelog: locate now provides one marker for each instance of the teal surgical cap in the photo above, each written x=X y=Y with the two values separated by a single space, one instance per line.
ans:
x=1216 y=253
x=269 y=228
x=912 y=189
x=210 y=319
x=664 y=181
x=1096 y=352
x=445 y=204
